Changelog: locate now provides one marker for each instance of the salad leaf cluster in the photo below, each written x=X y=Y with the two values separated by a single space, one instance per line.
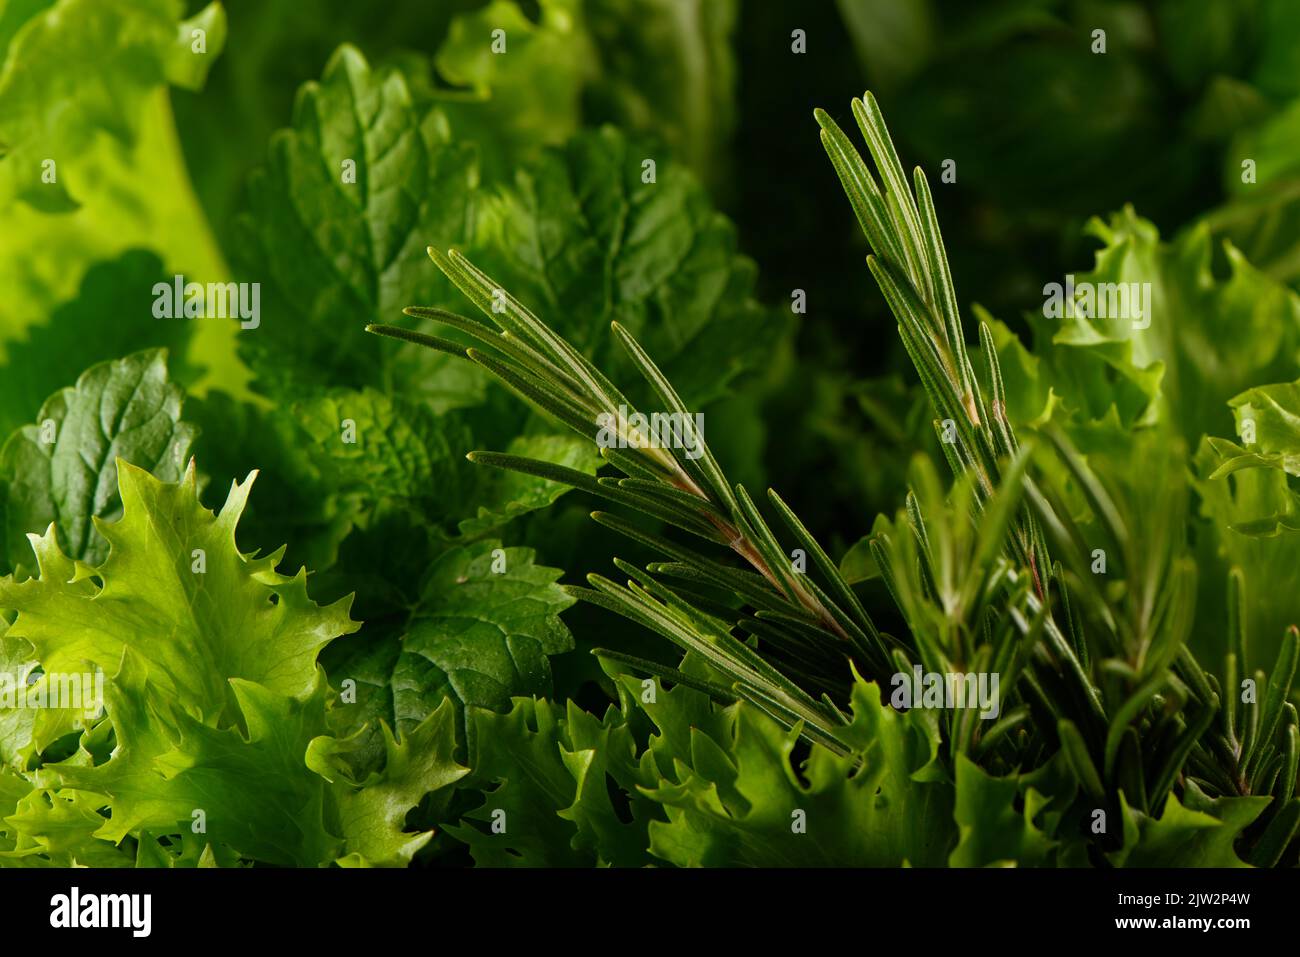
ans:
x=317 y=591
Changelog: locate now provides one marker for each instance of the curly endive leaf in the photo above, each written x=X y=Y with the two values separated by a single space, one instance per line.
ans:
x=57 y=829
x=737 y=800
x=1214 y=335
x=1270 y=414
x=215 y=714
x=994 y=829
x=1253 y=524
x=176 y=591
x=372 y=813
x=26 y=731
x=1195 y=832
x=169 y=770
x=546 y=802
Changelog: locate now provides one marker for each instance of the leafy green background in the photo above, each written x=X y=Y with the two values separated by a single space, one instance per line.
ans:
x=423 y=689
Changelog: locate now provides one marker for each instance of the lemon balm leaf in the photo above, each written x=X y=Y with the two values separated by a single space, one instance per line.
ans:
x=62 y=470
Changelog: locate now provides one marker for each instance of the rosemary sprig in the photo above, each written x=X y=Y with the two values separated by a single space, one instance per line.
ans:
x=821 y=628
x=1096 y=670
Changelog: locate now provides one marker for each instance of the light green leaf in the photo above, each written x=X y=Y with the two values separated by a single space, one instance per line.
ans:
x=199 y=41
x=255 y=793
x=1273 y=414
x=25 y=731
x=546 y=802
x=122 y=49
x=993 y=831
x=372 y=813
x=526 y=79
x=92 y=157
x=1186 y=837
x=738 y=800
x=175 y=591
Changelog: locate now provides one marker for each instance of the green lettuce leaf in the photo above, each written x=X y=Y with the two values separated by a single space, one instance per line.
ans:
x=252 y=793
x=118 y=180
x=545 y=801
x=58 y=829
x=216 y=730
x=1209 y=337
x=124 y=48
x=1214 y=336
x=735 y=799
x=173 y=589
x=526 y=81
x=26 y=731
x=993 y=829
x=1253 y=512
x=372 y=813
x=1198 y=833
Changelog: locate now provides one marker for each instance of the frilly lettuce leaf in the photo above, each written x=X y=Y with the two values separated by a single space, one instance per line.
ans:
x=215 y=732
x=1253 y=512
x=124 y=48
x=545 y=801
x=1195 y=832
x=739 y=800
x=661 y=67
x=371 y=812
x=524 y=95
x=1209 y=336
x=193 y=610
